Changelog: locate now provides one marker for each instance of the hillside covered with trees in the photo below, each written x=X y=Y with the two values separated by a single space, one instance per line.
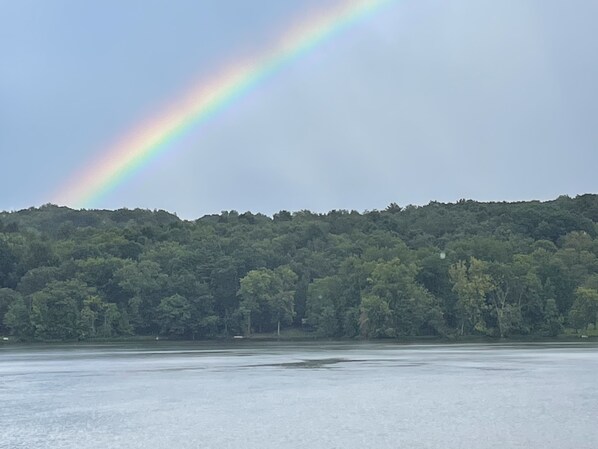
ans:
x=449 y=270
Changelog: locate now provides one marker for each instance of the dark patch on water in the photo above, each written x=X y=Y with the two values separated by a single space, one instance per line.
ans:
x=308 y=364
x=330 y=362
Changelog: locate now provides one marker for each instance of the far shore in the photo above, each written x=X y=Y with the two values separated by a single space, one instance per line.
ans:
x=307 y=337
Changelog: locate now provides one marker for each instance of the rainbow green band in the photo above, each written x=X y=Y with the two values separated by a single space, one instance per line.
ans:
x=153 y=138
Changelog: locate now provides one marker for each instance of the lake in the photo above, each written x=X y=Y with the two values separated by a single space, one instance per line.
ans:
x=280 y=395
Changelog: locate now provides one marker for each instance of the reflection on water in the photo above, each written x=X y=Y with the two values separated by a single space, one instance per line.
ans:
x=268 y=395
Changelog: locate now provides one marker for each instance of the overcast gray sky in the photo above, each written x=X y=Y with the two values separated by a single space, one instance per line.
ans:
x=426 y=100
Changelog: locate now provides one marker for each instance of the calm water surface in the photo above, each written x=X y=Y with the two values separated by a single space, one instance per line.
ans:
x=249 y=395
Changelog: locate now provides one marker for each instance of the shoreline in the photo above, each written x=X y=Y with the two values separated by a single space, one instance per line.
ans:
x=268 y=338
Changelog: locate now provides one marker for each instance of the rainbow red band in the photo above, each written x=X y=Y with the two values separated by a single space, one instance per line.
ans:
x=137 y=149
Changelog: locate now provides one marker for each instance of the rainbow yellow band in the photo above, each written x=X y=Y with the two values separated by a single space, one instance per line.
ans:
x=152 y=138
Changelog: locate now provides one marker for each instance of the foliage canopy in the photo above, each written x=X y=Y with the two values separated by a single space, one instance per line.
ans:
x=470 y=268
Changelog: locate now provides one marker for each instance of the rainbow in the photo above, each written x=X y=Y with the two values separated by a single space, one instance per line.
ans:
x=154 y=137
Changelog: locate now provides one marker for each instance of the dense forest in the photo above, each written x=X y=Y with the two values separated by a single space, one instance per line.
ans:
x=448 y=270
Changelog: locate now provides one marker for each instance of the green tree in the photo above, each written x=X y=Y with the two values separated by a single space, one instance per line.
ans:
x=37 y=278
x=255 y=288
x=8 y=263
x=224 y=285
x=323 y=313
x=92 y=309
x=143 y=285
x=14 y=314
x=553 y=320
x=269 y=292
x=472 y=285
x=281 y=297
x=585 y=308
x=17 y=320
x=55 y=310
x=374 y=319
x=174 y=315
x=7 y=297
x=410 y=304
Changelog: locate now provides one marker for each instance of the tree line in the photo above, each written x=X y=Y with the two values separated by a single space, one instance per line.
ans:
x=449 y=270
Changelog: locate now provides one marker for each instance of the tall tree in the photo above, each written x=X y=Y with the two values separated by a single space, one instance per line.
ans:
x=472 y=285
